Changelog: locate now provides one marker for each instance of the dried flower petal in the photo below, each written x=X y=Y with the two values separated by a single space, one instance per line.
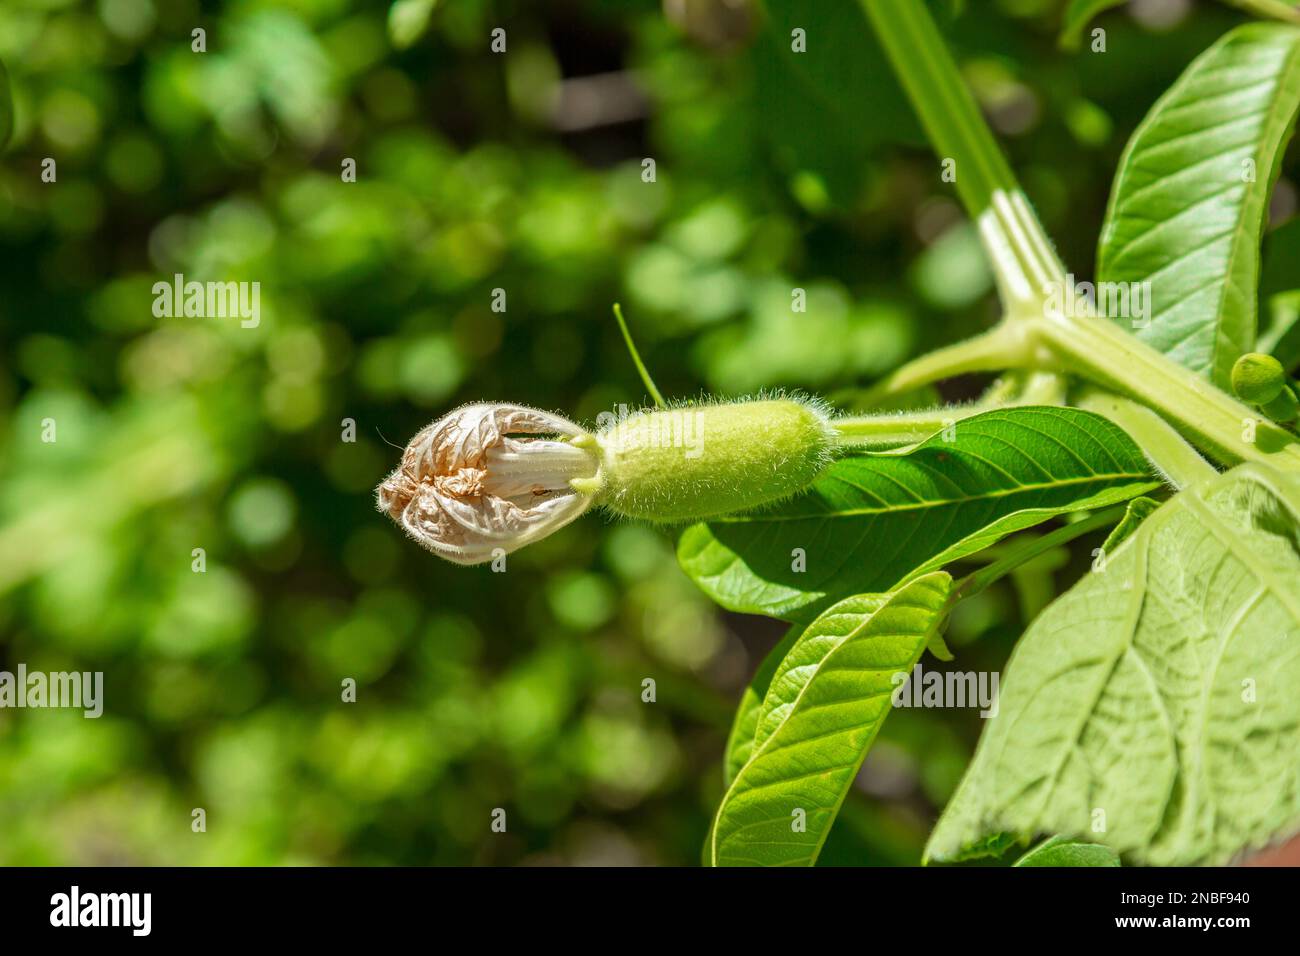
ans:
x=467 y=490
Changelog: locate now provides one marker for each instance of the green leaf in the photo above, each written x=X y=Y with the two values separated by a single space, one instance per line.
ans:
x=1188 y=205
x=1059 y=851
x=873 y=521
x=822 y=710
x=740 y=742
x=1077 y=17
x=1139 y=509
x=1154 y=706
x=992 y=846
x=799 y=665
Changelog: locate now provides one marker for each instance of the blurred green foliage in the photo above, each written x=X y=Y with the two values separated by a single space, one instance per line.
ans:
x=475 y=171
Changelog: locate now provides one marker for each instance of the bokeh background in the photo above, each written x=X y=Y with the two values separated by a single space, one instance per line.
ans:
x=475 y=171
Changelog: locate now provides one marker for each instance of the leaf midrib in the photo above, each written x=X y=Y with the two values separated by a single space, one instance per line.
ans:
x=759 y=751
x=933 y=503
x=1274 y=117
x=1272 y=123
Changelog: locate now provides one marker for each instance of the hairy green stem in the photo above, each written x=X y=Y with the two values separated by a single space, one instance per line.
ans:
x=1028 y=269
x=1161 y=443
x=943 y=103
x=900 y=429
x=1022 y=257
x=1103 y=353
x=1214 y=421
x=893 y=429
x=1002 y=347
x=1042 y=388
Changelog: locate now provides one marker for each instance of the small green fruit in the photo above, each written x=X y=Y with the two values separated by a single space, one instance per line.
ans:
x=699 y=461
x=1258 y=378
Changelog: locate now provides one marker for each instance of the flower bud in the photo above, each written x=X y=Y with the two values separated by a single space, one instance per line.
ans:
x=1258 y=378
x=700 y=461
x=468 y=490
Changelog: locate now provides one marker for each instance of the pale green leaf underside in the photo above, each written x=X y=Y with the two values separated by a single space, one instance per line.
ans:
x=1061 y=852
x=873 y=521
x=1157 y=699
x=1138 y=510
x=819 y=718
x=1187 y=209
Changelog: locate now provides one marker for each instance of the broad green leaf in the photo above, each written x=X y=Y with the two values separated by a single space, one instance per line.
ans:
x=1187 y=209
x=1077 y=17
x=744 y=726
x=1058 y=851
x=873 y=521
x=800 y=663
x=819 y=718
x=740 y=742
x=1154 y=705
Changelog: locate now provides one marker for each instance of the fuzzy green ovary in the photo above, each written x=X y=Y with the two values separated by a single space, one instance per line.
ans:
x=700 y=461
x=1258 y=378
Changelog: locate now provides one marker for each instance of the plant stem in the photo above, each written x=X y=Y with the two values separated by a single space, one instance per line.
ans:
x=636 y=359
x=1004 y=346
x=886 y=433
x=943 y=103
x=1214 y=421
x=1031 y=335
x=894 y=430
x=1022 y=257
x=977 y=581
x=1175 y=459
x=1042 y=388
